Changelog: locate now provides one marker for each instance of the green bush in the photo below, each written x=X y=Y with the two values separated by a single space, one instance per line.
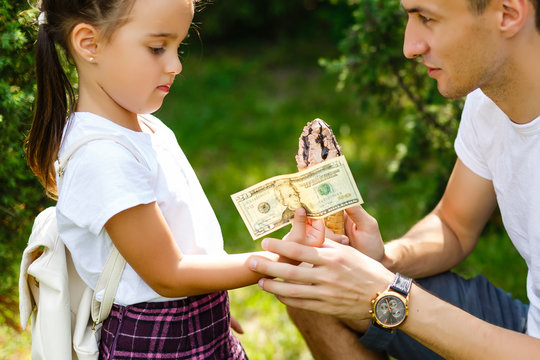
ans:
x=21 y=197
x=223 y=22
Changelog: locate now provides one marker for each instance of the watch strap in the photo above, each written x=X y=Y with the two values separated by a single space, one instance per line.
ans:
x=401 y=284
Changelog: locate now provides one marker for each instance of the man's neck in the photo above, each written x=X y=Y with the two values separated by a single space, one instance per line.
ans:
x=517 y=89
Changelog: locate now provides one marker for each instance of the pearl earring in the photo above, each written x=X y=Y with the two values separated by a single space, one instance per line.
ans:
x=91 y=59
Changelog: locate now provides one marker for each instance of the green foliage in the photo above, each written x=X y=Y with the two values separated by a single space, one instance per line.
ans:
x=244 y=21
x=21 y=196
x=396 y=90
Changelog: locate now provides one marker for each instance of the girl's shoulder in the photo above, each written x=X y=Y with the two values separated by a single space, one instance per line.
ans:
x=117 y=147
x=83 y=125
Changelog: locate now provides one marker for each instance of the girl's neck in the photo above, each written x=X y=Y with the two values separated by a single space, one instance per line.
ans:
x=109 y=110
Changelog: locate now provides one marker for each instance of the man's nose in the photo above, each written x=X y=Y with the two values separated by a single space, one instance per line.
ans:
x=414 y=44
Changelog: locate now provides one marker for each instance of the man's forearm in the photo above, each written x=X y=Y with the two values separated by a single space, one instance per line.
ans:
x=428 y=248
x=455 y=334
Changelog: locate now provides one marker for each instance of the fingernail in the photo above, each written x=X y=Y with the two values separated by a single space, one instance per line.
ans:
x=252 y=264
x=260 y=283
x=263 y=243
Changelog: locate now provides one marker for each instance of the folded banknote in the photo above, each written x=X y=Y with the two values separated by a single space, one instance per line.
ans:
x=322 y=190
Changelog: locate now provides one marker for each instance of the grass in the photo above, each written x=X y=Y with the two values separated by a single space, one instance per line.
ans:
x=237 y=115
x=14 y=345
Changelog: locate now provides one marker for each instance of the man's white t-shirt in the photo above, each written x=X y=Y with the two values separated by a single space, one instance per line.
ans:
x=508 y=154
x=104 y=178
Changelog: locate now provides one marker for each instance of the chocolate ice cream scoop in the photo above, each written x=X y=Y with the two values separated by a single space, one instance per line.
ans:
x=317 y=143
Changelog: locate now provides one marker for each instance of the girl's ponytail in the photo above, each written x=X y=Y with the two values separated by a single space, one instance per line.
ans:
x=55 y=99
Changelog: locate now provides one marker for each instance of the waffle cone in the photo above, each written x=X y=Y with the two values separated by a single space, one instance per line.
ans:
x=336 y=222
x=316 y=144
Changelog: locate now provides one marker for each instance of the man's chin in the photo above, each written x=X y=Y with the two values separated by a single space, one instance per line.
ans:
x=453 y=93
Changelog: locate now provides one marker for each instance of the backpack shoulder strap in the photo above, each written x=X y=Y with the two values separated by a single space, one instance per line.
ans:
x=115 y=264
x=61 y=163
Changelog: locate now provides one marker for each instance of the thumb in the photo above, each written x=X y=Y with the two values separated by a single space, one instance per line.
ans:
x=298 y=230
x=360 y=218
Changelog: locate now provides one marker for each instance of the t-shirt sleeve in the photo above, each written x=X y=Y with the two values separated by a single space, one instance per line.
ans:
x=467 y=142
x=102 y=179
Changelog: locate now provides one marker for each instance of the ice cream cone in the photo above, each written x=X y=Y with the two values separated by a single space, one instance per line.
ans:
x=336 y=222
x=316 y=144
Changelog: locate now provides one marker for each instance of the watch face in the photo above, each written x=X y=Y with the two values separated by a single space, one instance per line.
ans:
x=390 y=311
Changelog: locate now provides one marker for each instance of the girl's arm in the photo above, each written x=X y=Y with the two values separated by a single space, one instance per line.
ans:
x=142 y=236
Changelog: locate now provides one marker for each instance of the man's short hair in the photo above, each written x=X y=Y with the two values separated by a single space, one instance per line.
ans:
x=478 y=6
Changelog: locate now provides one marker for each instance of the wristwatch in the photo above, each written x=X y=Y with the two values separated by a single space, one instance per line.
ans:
x=390 y=308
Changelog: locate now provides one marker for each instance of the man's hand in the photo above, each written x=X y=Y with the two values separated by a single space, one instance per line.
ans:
x=341 y=282
x=363 y=232
x=306 y=231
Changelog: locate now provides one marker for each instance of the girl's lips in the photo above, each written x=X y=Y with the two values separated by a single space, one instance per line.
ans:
x=164 y=88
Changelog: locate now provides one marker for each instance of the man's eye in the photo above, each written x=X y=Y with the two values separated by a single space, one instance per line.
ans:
x=157 y=50
x=424 y=19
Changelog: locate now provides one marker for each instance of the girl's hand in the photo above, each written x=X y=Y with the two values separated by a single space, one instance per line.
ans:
x=235 y=325
x=363 y=232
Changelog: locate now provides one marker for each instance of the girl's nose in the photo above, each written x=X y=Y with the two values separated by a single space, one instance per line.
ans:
x=174 y=65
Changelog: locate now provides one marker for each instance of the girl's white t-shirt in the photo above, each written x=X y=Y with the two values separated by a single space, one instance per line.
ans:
x=508 y=154
x=104 y=178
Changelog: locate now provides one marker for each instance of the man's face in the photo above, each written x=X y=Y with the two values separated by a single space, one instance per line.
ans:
x=461 y=50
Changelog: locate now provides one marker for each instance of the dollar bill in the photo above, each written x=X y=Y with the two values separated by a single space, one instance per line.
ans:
x=322 y=190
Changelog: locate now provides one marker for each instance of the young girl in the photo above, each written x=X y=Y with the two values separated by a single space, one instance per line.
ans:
x=171 y=301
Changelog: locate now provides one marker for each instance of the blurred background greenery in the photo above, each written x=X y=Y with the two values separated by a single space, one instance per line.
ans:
x=254 y=74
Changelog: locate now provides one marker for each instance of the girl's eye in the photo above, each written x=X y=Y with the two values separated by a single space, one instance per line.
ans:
x=156 y=50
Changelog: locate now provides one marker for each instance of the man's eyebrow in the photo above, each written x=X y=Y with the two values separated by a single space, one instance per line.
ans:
x=412 y=10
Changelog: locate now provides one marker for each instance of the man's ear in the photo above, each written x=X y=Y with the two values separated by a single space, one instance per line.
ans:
x=84 y=42
x=514 y=15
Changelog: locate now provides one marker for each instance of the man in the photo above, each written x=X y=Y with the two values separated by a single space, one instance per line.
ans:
x=488 y=49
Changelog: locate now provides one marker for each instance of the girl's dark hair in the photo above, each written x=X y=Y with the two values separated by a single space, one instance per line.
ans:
x=56 y=98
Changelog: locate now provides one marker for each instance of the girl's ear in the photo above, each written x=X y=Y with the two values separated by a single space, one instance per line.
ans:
x=84 y=42
x=514 y=15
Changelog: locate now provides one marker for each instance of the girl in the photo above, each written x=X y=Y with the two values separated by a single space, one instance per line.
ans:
x=171 y=301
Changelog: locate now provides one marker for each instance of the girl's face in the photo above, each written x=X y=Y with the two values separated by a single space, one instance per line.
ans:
x=138 y=64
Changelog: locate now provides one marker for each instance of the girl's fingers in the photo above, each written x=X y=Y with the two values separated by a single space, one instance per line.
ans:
x=298 y=230
x=235 y=325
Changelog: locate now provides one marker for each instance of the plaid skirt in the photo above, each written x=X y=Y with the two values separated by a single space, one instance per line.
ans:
x=198 y=327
